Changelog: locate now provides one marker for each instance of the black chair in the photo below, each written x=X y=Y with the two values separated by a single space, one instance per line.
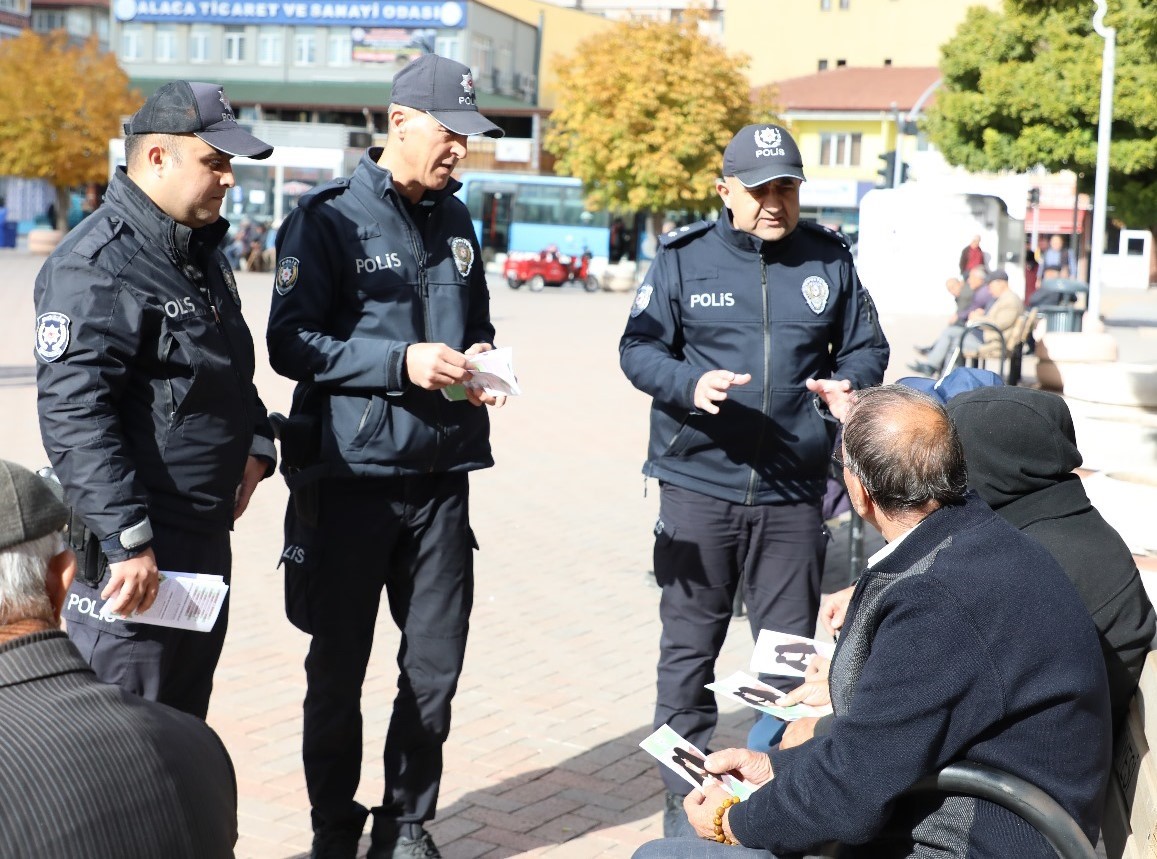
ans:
x=1025 y=800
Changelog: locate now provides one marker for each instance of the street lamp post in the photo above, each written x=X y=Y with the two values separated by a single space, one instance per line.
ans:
x=1101 y=183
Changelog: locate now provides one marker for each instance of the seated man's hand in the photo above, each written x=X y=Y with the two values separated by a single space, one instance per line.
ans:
x=701 y=805
x=798 y=732
x=754 y=767
x=834 y=608
x=812 y=692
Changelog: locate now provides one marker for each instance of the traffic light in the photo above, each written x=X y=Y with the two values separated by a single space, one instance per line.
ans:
x=888 y=171
x=1034 y=196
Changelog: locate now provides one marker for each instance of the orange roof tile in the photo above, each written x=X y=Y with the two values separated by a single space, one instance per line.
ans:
x=856 y=88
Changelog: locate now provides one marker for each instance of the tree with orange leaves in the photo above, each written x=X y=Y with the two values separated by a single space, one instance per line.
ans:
x=59 y=106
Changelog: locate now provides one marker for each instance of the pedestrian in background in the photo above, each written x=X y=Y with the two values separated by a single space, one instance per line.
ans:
x=380 y=300
x=147 y=405
x=744 y=331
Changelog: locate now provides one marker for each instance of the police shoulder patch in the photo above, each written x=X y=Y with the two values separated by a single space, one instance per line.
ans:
x=52 y=335
x=285 y=278
x=642 y=299
x=323 y=192
x=682 y=234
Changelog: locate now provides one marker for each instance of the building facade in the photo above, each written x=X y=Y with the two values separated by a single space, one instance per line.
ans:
x=81 y=19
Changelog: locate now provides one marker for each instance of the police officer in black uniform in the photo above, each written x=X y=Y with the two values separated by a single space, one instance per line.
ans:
x=743 y=331
x=380 y=297
x=147 y=405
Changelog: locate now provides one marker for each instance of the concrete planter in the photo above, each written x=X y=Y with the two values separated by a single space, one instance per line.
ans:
x=43 y=241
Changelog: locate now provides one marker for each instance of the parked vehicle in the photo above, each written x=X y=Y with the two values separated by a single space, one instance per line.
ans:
x=549 y=268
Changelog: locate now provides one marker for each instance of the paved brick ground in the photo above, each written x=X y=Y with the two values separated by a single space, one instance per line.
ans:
x=558 y=685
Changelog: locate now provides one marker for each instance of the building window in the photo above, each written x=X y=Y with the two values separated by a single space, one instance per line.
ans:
x=340 y=48
x=199 y=46
x=841 y=63
x=234 y=44
x=449 y=47
x=481 y=58
x=165 y=43
x=840 y=150
x=102 y=28
x=131 y=43
x=823 y=65
x=844 y=4
x=269 y=44
x=80 y=22
x=887 y=61
x=825 y=5
x=47 y=20
x=305 y=49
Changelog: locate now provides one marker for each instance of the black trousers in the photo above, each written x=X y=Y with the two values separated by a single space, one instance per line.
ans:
x=411 y=536
x=702 y=546
x=173 y=666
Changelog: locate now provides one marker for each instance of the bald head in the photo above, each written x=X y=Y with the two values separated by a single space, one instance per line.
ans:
x=902 y=447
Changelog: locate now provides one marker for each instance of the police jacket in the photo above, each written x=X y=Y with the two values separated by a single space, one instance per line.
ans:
x=359 y=279
x=147 y=405
x=717 y=298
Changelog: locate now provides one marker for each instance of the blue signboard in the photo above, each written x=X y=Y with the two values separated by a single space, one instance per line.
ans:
x=432 y=14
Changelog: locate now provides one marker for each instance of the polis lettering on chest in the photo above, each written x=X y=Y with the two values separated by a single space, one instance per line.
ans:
x=712 y=299
x=174 y=308
x=377 y=263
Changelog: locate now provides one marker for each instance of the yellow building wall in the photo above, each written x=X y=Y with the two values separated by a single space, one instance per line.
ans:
x=788 y=38
x=877 y=137
x=562 y=30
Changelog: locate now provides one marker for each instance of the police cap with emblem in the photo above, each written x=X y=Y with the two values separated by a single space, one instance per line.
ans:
x=444 y=89
x=28 y=508
x=200 y=109
x=760 y=153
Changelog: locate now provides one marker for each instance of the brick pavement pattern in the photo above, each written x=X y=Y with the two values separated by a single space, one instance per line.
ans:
x=558 y=688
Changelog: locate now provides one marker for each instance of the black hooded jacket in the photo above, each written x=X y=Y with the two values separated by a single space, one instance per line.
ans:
x=1021 y=450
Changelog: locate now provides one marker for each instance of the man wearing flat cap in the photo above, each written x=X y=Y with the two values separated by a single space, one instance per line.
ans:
x=380 y=298
x=86 y=768
x=744 y=331
x=147 y=405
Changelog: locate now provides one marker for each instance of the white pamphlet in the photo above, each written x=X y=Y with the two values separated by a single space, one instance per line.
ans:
x=185 y=601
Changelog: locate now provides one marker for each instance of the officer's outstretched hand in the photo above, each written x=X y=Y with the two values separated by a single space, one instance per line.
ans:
x=837 y=393
x=434 y=366
x=713 y=386
x=136 y=581
x=477 y=396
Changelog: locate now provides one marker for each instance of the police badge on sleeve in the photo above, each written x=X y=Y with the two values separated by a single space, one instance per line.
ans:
x=285 y=279
x=52 y=335
x=642 y=299
x=463 y=254
x=815 y=293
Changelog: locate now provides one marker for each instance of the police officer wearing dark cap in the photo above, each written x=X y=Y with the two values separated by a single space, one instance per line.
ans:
x=380 y=297
x=147 y=405
x=744 y=331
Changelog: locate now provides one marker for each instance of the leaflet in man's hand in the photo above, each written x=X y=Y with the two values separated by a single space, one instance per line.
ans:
x=754 y=693
x=185 y=601
x=786 y=655
x=682 y=757
x=491 y=372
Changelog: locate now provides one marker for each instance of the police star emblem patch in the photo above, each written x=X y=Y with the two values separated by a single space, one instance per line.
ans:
x=642 y=299
x=286 y=277
x=230 y=283
x=51 y=335
x=463 y=254
x=815 y=292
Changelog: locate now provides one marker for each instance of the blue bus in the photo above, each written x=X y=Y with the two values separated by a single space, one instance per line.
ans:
x=527 y=212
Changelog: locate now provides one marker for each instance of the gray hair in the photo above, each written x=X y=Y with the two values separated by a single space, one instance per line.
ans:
x=22 y=569
x=904 y=459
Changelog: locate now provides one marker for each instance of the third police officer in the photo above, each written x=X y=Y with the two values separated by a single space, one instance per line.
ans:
x=744 y=331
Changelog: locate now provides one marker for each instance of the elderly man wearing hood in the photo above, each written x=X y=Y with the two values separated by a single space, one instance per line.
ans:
x=1021 y=450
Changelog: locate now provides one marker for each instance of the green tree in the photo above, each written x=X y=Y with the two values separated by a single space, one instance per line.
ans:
x=59 y=106
x=1022 y=87
x=648 y=109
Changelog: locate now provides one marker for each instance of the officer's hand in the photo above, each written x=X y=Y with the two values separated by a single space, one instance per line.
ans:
x=713 y=386
x=136 y=581
x=434 y=366
x=837 y=393
x=254 y=473
x=476 y=396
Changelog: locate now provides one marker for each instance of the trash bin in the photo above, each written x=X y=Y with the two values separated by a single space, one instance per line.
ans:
x=1061 y=301
x=8 y=234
